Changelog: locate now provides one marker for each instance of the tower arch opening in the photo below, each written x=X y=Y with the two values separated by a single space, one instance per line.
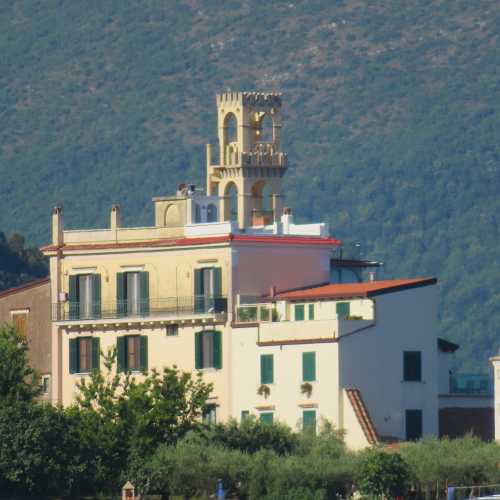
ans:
x=265 y=130
x=231 y=205
x=230 y=128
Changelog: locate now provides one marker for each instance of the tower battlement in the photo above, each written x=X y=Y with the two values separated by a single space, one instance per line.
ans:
x=250 y=98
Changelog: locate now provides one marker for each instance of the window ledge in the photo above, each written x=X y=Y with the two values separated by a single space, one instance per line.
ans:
x=211 y=369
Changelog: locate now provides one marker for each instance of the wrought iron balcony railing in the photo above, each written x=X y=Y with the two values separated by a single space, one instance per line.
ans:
x=142 y=308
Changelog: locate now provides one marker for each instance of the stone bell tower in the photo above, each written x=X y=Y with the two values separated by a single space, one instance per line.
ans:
x=251 y=163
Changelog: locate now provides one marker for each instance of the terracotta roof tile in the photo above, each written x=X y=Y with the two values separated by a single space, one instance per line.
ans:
x=347 y=290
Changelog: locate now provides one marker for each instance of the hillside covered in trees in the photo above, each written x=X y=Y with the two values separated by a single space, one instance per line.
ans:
x=391 y=123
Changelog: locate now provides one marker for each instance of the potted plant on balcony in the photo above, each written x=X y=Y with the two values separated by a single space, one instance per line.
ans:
x=264 y=390
x=306 y=388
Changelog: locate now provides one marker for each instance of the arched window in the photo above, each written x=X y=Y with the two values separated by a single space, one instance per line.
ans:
x=172 y=216
x=267 y=202
x=211 y=213
x=230 y=128
x=266 y=129
x=232 y=202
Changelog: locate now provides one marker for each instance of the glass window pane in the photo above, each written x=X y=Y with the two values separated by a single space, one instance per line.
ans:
x=85 y=295
x=309 y=366
x=207 y=349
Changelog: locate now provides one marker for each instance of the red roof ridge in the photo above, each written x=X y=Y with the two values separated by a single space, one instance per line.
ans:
x=363 y=289
x=24 y=286
x=361 y=412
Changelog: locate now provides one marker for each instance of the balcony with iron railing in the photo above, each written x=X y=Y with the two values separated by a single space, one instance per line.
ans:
x=195 y=306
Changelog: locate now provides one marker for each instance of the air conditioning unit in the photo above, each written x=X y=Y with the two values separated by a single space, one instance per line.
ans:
x=63 y=297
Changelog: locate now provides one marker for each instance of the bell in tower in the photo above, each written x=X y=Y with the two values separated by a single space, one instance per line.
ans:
x=251 y=163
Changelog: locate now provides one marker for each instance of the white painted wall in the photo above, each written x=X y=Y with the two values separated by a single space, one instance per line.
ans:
x=372 y=361
x=285 y=391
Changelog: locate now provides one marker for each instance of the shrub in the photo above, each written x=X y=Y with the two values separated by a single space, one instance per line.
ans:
x=383 y=474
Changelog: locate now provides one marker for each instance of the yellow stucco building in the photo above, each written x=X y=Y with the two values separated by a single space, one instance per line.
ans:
x=226 y=283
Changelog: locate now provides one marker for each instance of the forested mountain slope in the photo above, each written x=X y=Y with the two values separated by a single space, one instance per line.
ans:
x=391 y=123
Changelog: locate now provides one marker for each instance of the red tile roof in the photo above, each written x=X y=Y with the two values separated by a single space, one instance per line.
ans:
x=207 y=240
x=24 y=286
x=346 y=290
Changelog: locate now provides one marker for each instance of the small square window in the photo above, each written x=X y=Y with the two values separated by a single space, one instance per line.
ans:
x=244 y=415
x=267 y=418
x=172 y=330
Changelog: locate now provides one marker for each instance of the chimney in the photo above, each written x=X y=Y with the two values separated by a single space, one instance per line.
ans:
x=57 y=226
x=371 y=275
x=272 y=291
x=115 y=216
x=287 y=220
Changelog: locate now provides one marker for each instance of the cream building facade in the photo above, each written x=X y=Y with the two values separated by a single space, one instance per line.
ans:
x=227 y=284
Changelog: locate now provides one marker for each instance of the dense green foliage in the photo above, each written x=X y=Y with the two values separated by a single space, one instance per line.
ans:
x=19 y=264
x=18 y=382
x=392 y=119
x=383 y=475
x=150 y=432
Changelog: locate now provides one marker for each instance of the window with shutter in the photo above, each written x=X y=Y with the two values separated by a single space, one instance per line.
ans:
x=208 y=349
x=309 y=420
x=308 y=366
x=96 y=353
x=266 y=418
x=266 y=369
x=343 y=309
x=121 y=346
x=412 y=366
x=20 y=321
x=144 y=353
x=299 y=312
x=413 y=424
x=311 y=312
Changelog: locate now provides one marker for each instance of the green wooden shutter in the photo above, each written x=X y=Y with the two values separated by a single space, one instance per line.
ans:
x=121 y=300
x=343 y=309
x=144 y=293
x=217 y=275
x=198 y=291
x=266 y=369
x=144 y=352
x=121 y=345
x=73 y=298
x=96 y=353
x=299 y=312
x=266 y=418
x=311 y=311
x=96 y=295
x=308 y=366
x=198 y=347
x=73 y=355
x=217 y=350
x=309 y=420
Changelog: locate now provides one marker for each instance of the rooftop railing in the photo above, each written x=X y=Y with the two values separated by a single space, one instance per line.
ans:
x=470 y=384
x=141 y=308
